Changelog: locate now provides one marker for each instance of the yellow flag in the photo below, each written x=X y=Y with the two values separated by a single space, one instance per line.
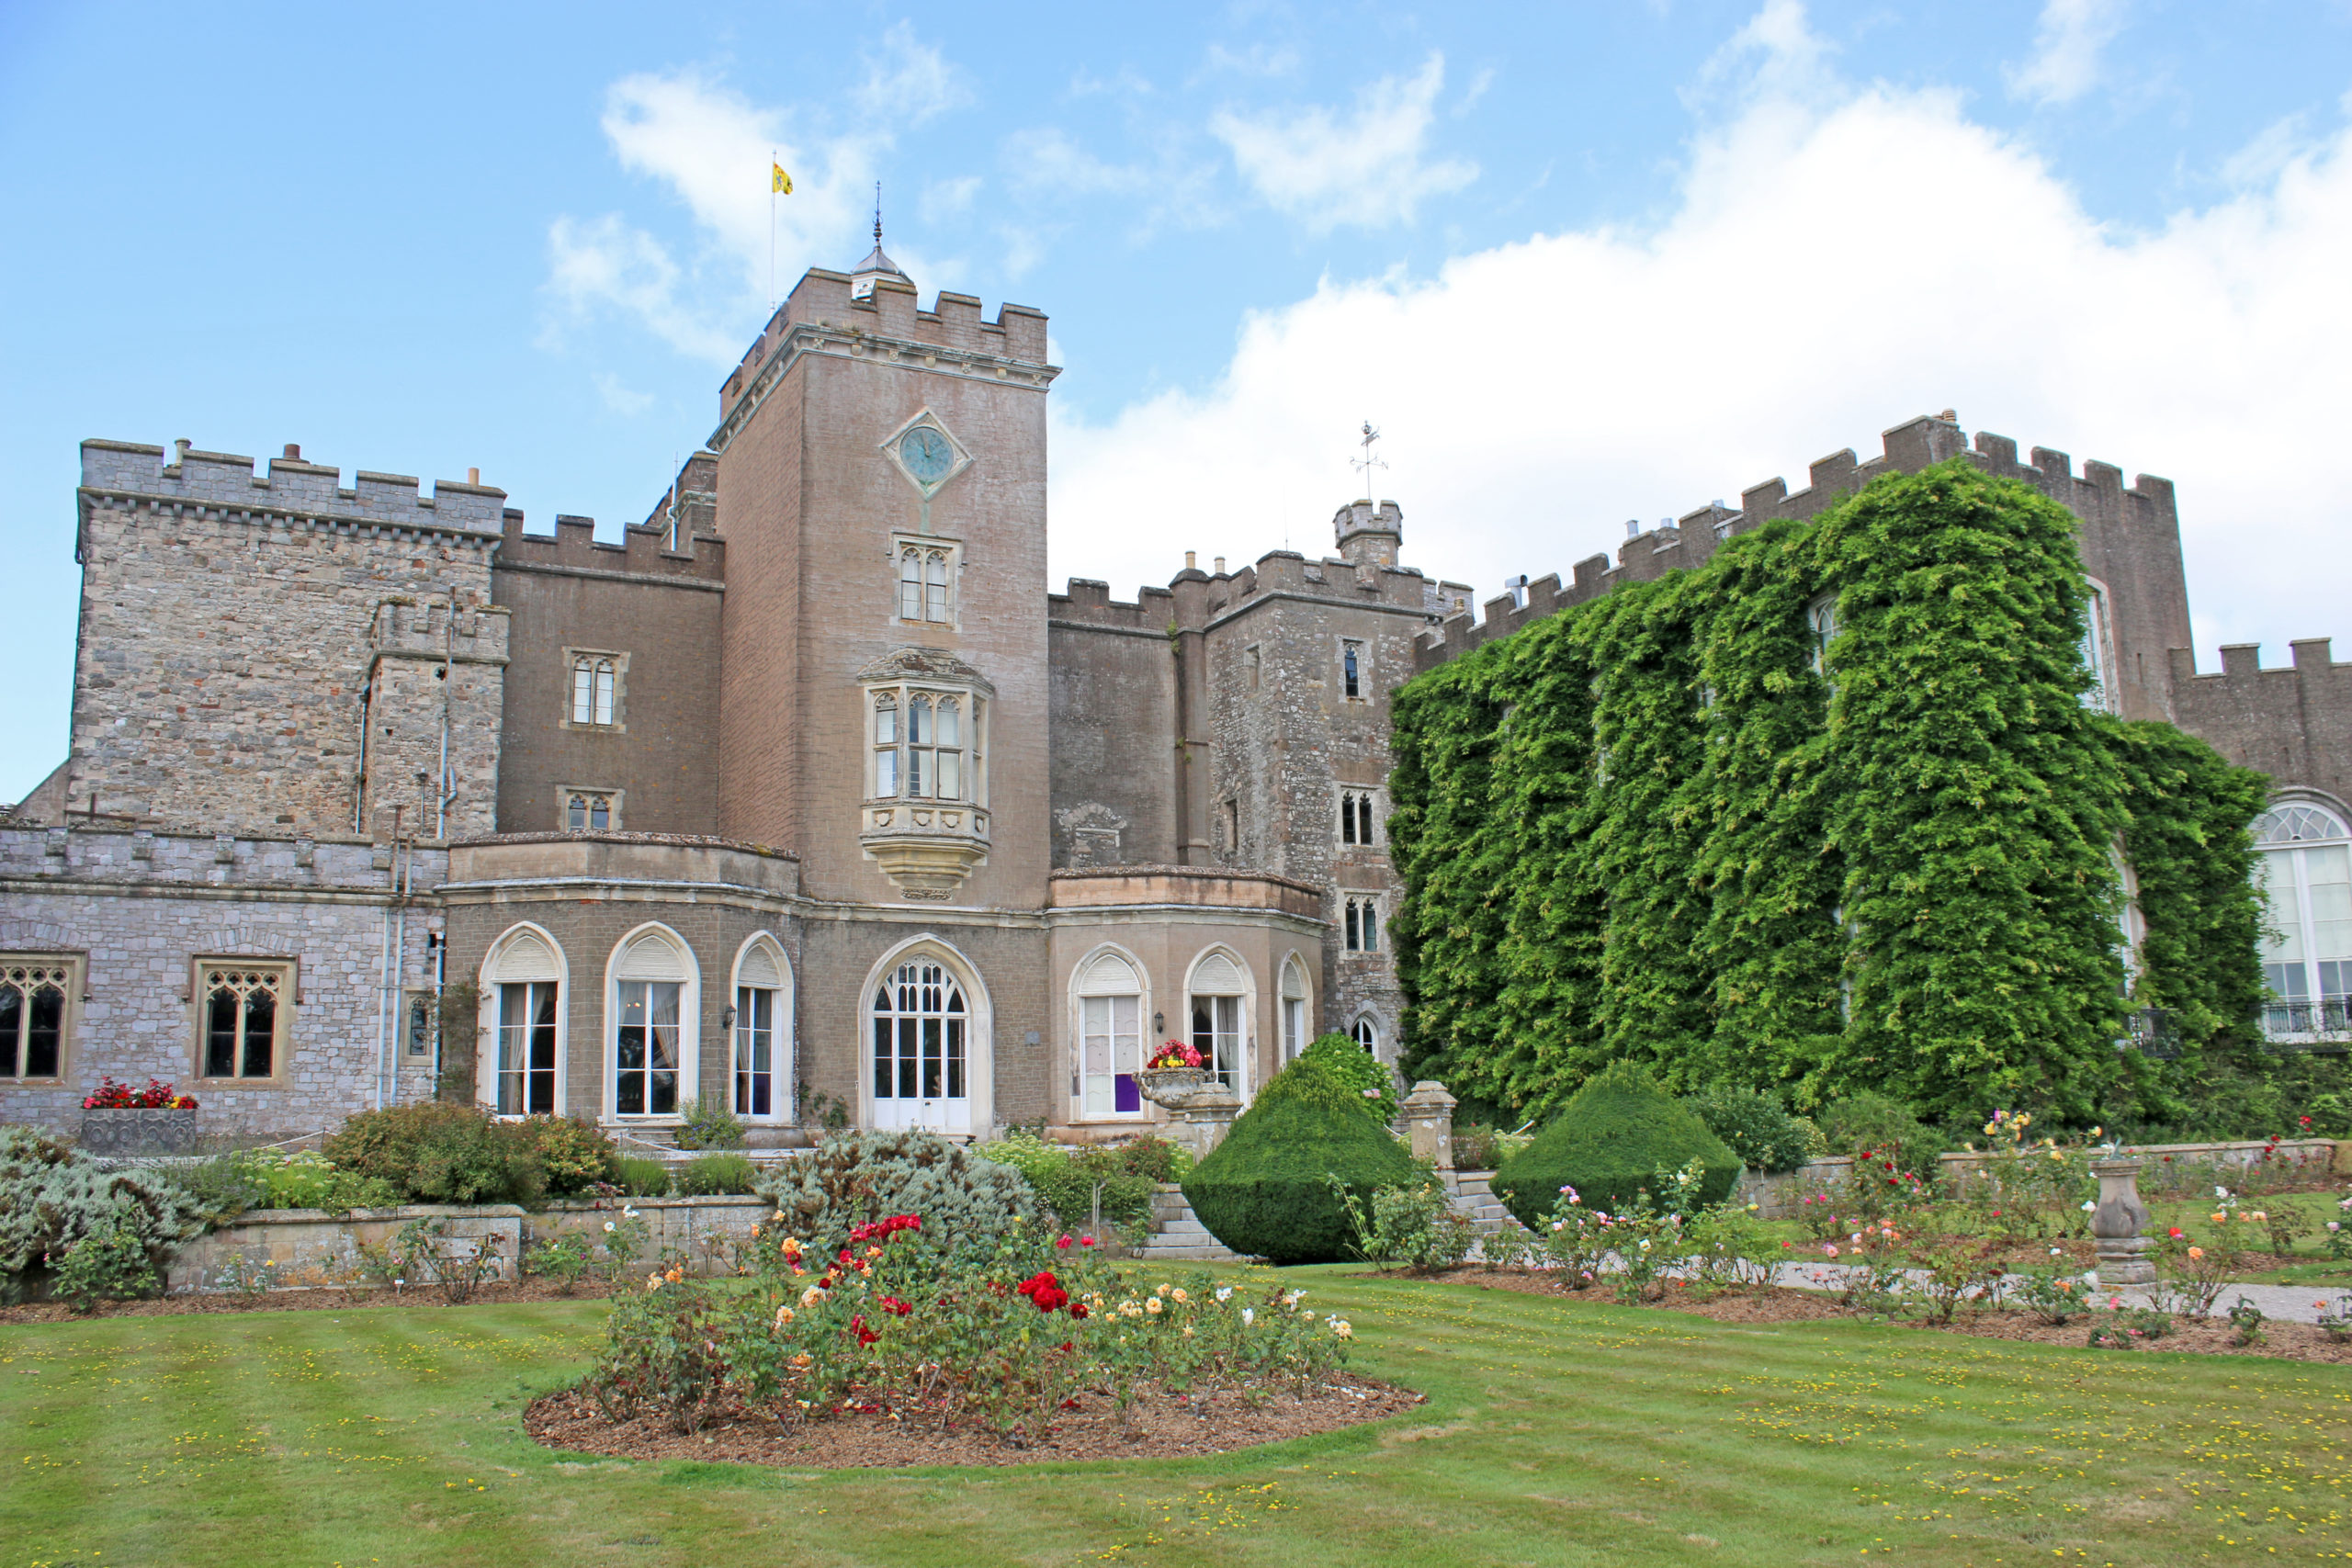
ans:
x=779 y=180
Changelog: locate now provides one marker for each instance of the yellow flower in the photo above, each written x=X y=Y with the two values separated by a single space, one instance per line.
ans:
x=1161 y=1292
x=784 y=1314
x=811 y=1296
x=673 y=1276
x=1179 y=1297
x=1151 y=1305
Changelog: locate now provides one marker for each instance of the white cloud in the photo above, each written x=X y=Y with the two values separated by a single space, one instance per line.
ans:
x=619 y=397
x=1808 y=291
x=2067 y=42
x=907 y=82
x=709 y=147
x=943 y=200
x=1369 y=169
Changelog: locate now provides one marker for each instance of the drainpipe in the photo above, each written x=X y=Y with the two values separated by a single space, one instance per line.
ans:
x=448 y=665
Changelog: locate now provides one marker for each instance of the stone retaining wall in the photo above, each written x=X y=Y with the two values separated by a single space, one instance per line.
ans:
x=310 y=1247
x=1777 y=1196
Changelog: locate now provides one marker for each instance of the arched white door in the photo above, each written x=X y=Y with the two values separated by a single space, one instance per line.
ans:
x=921 y=1048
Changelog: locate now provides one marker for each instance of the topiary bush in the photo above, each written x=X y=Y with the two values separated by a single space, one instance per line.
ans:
x=855 y=1178
x=53 y=1195
x=1266 y=1191
x=1359 y=1069
x=1757 y=1126
x=1608 y=1142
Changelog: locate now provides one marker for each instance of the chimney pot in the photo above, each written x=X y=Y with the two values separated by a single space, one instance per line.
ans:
x=473 y=475
x=1192 y=560
x=294 y=450
x=1220 y=566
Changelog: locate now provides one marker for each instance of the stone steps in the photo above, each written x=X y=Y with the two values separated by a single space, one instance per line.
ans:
x=1177 y=1237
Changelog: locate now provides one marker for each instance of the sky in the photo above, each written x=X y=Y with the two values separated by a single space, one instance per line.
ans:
x=1579 y=262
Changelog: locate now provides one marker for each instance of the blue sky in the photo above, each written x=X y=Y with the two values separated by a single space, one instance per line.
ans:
x=1582 y=263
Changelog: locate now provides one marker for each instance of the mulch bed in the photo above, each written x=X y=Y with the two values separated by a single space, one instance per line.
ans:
x=1163 y=1427
x=1780 y=1303
x=328 y=1298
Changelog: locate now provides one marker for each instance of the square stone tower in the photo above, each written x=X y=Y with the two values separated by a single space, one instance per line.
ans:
x=883 y=689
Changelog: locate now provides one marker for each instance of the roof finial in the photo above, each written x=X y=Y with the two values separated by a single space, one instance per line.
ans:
x=877 y=215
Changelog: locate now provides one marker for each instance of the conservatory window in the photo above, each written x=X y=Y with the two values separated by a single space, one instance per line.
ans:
x=2304 y=855
x=645 y=1049
x=526 y=1019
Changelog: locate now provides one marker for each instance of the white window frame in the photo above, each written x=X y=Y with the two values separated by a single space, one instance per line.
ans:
x=285 y=990
x=2319 y=826
x=930 y=551
x=1084 y=989
x=490 y=1053
x=973 y=1112
x=1244 y=1015
x=589 y=795
x=591 y=658
x=1821 y=629
x=689 y=1027
x=28 y=975
x=783 y=1061
x=1297 y=1017
x=1365 y=1032
x=917 y=763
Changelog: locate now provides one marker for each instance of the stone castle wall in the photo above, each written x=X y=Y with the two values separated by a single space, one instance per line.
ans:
x=2294 y=724
x=231 y=623
x=657 y=611
x=143 y=907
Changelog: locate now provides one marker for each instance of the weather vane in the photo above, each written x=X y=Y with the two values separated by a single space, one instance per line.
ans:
x=1368 y=461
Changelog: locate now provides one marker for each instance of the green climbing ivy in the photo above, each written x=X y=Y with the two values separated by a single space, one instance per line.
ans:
x=1669 y=825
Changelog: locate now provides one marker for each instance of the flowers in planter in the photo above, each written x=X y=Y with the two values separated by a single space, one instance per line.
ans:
x=1173 y=1053
x=157 y=1095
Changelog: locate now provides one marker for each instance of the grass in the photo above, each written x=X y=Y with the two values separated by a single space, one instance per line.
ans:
x=1555 y=1432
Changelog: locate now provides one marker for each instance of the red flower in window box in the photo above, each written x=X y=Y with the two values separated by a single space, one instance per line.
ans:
x=1174 y=1054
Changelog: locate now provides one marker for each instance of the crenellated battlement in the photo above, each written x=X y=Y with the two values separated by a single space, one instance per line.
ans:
x=2119 y=524
x=2293 y=723
x=887 y=326
x=1089 y=603
x=184 y=476
x=643 y=552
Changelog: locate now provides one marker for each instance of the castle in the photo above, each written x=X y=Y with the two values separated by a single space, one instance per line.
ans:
x=810 y=795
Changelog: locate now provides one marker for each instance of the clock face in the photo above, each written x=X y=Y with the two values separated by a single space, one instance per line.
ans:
x=926 y=454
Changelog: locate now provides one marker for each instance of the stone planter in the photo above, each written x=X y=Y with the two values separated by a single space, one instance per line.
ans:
x=1171 y=1087
x=2117 y=1223
x=139 y=1131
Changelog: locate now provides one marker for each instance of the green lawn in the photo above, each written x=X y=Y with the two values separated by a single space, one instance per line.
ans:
x=1555 y=1432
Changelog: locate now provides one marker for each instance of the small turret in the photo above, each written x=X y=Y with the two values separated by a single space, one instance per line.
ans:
x=876 y=265
x=1369 y=535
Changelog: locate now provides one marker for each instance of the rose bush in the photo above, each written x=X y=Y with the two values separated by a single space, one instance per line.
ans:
x=1002 y=1332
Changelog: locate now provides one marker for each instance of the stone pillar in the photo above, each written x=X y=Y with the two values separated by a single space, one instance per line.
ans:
x=1429 y=1125
x=1204 y=1118
x=2117 y=1223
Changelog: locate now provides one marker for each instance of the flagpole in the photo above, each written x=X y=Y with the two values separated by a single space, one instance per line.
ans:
x=772 y=164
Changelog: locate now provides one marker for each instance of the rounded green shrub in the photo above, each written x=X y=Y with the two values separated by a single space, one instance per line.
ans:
x=436 y=1152
x=1608 y=1142
x=1757 y=1126
x=52 y=1196
x=1868 y=1122
x=574 y=1152
x=1266 y=1191
x=853 y=1179
x=1358 y=1069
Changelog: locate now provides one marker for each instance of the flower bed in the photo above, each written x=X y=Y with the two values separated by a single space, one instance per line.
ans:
x=1007 y=1342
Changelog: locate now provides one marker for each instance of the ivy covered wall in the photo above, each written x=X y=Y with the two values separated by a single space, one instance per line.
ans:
x=1671 y=824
